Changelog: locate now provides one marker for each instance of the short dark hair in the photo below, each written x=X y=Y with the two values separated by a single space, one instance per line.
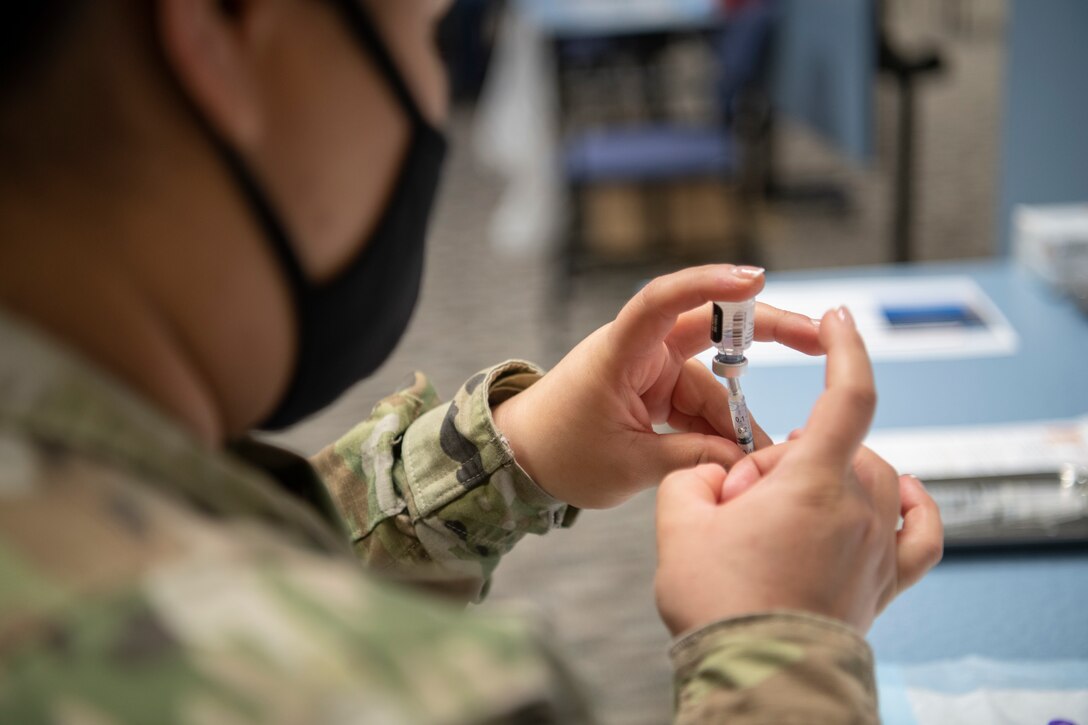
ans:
x=29 y=32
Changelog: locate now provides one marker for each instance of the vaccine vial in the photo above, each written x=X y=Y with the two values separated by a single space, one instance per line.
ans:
x=731 y=331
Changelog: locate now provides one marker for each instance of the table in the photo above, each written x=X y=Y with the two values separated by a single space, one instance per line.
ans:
x=1022 y=605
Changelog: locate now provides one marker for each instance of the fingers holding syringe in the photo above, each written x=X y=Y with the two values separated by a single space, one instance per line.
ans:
x=700 y=404
x=691 y=334
x=752 y=469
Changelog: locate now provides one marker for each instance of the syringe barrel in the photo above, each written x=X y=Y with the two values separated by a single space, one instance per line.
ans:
x=733 y=327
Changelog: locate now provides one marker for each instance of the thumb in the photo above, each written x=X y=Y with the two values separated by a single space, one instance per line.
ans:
x=751 y=469
x=683 y=494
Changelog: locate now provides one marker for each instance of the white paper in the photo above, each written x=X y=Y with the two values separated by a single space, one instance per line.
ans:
x=952 y=452
x=985 y=450
x=999 y=707
x=981 y=690
x=866 y=299
x=995 y=450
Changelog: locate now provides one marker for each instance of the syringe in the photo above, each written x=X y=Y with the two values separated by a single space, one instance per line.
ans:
x=731 y=331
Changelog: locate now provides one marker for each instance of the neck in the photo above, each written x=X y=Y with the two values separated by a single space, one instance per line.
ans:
x=73 y=294
x=148 y=290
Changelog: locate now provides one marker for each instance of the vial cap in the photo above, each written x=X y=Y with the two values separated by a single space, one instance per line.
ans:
x=728 y=369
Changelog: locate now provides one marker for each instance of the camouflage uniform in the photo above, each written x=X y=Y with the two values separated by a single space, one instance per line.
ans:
x=145 y=579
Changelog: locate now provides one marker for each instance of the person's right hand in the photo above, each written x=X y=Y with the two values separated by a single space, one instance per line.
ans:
x=806 y=525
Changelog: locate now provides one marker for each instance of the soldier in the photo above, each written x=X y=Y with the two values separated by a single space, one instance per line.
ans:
x=211 y=220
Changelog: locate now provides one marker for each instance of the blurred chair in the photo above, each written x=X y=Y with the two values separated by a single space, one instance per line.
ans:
x=656 y=152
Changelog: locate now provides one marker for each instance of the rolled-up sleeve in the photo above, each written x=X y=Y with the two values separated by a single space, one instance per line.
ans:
x=431 y=493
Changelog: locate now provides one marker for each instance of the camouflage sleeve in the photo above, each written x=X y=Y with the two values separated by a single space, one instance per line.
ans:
x=431 y=493
x=121 y=604
x=777 y=667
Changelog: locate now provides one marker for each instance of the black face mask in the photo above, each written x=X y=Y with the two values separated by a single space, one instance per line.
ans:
x=349 y=326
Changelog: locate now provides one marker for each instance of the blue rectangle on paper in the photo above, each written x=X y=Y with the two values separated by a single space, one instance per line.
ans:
x=944 y=315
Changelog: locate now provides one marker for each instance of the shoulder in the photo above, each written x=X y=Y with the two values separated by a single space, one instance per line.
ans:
x=120 y=601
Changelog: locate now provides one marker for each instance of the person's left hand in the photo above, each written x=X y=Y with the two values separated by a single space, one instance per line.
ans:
x=584 y=432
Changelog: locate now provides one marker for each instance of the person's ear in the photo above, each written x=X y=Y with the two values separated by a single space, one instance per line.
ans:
x=210 y=44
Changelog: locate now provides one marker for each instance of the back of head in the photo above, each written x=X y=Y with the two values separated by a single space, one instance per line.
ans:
x=29 y=31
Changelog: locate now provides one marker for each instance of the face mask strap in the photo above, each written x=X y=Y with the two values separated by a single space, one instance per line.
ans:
x=362 y=27
x=253 y=195
x=265 y=216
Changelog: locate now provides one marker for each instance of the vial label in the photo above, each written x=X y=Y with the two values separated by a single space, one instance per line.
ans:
x=739 y=331
x=716 y=325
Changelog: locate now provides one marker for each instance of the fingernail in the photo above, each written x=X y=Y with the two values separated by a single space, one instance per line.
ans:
x=815 y=323
x=915 y=478
x=747 y=272
x=844 y=314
